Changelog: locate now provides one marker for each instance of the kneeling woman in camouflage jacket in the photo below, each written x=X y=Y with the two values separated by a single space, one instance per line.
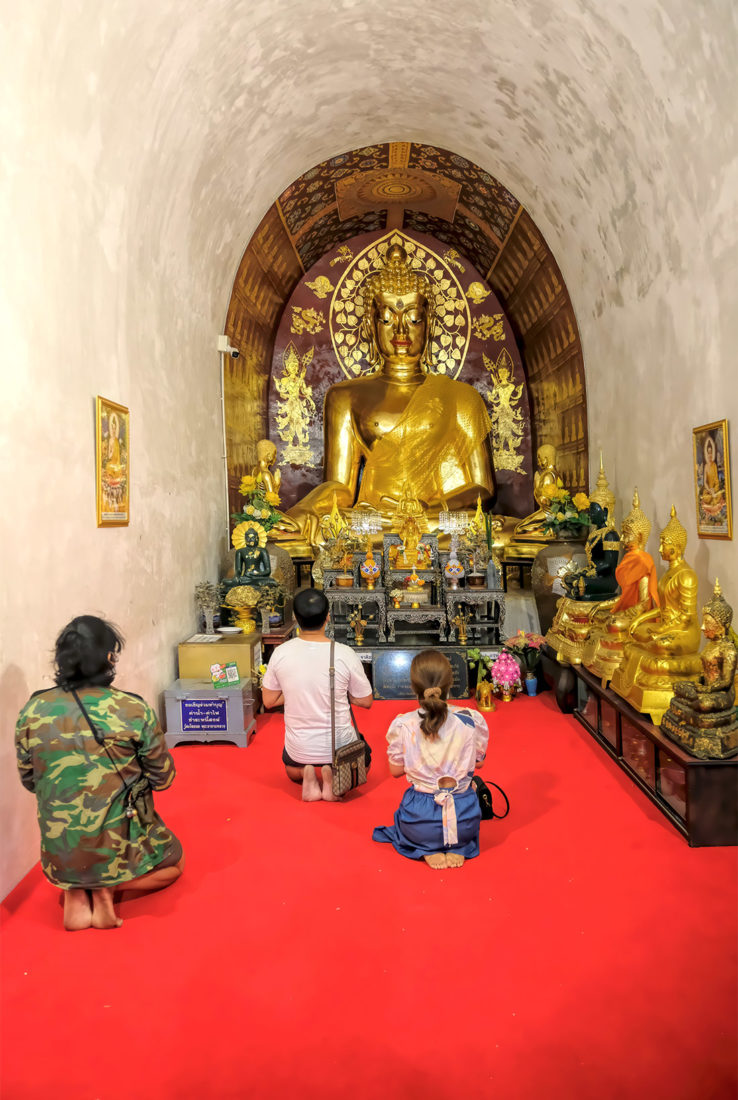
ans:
x=92 y=755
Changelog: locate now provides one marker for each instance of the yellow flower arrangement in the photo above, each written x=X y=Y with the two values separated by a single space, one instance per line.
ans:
x=567 y=516
x=259 y=504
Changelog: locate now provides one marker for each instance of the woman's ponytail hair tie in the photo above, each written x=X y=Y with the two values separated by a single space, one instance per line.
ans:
x=432 y=693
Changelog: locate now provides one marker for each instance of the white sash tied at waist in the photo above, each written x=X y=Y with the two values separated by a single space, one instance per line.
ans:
x=444 y=797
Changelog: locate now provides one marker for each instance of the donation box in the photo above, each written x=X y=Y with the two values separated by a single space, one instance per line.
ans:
x=197 y=711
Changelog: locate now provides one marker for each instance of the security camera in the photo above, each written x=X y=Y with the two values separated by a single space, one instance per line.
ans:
x=224 y=346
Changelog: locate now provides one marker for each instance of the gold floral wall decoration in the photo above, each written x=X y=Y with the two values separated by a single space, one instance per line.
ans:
x=296 y=408
x=307 y=320
x=343 y=256
x=489 y=328
x=507 y=420
x=476 y=293
x=321 y=287
x=452 y=258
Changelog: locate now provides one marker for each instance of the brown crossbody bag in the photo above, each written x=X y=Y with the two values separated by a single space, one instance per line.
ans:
x=348 y=764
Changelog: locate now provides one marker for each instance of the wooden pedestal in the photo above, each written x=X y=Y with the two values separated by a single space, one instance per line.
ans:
x=699 y=797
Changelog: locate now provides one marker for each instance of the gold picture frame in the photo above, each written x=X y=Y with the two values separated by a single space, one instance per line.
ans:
x=711 y=455
x=112 y=463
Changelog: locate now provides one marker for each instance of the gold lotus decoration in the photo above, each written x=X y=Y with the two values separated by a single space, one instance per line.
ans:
x=452 y=330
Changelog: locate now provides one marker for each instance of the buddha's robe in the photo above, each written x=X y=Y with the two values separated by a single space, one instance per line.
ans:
x=427 y=453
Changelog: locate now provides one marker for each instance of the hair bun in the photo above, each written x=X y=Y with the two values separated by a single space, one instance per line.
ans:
x=432 y=693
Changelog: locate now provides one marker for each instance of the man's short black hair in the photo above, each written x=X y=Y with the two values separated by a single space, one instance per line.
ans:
x=311 y=609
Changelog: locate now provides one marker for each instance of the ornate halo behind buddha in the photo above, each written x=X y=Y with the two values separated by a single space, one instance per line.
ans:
x=452 y=329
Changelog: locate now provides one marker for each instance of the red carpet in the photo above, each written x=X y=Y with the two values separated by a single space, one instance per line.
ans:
x=588 y=952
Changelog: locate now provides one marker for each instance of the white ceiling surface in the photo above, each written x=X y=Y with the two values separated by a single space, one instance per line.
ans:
x=589 y=113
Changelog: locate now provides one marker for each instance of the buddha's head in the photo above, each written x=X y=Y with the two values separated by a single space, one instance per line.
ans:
x=636 y=527
x=709 y=449
x=266 y=451
x=597 y=515
x=673 y=540
x=399 y=312
x=546 y=456
x=717 y=615
x=251 y=539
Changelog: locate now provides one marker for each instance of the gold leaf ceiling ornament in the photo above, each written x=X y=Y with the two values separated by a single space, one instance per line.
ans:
x=453 y=320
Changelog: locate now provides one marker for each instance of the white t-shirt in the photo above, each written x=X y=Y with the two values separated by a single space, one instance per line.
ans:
x=299 y=669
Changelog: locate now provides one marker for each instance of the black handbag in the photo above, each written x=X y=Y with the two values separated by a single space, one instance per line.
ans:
x=348 y=764
x=484 y=796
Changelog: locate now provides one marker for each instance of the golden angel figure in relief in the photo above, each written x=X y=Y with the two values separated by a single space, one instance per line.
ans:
x=507 y=420
x=296 y=407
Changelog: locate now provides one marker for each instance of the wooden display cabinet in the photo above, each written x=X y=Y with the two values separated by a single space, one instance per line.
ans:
x=699 y=797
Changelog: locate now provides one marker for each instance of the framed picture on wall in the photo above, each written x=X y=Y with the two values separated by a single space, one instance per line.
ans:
x=112 y=463
x=712 y=480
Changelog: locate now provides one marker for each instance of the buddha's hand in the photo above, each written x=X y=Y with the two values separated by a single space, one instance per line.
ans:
x=685 y=689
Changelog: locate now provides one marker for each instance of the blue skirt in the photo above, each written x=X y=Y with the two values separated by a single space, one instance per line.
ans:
x=418 y=827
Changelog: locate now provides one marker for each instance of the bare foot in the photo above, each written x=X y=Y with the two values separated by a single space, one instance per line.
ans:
x=327 y=776
x=453 y=859
x=436 y=860
x=310 y=784
x=103 y=913
x=77 y=910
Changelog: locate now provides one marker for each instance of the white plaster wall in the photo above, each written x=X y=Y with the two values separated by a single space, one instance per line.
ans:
x=141 y=144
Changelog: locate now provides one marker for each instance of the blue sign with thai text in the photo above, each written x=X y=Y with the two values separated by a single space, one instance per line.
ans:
x=204 y=714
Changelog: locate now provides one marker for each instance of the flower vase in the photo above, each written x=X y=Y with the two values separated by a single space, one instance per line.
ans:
x=508 y=693
x=557 y=556
x=369 y=570
x=531 y=684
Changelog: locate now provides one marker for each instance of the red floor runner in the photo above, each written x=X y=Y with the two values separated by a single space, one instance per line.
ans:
x=588 y=952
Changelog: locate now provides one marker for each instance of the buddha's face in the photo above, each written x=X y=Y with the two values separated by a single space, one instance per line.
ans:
x=711 y=628
x=251 y=540
x=400 y=326
x=667 y=549
x=628 y=535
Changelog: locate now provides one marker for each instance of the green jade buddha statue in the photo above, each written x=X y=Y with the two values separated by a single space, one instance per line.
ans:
x=702 y=716
x=251 y=564
x=589 y=590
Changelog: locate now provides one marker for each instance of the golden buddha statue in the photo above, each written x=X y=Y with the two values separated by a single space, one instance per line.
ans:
x=636 y=575
x=545 y=480
x=662 y=643
x=702 y=715
x=402 y=430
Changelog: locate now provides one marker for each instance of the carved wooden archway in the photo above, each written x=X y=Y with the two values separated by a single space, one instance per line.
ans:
x=433 y=191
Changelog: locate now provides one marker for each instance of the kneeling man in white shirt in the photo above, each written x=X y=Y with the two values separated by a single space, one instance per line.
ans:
x=298 y=677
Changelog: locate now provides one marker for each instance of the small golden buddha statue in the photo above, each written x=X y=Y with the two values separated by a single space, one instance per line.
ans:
x=702 y=716
x=662 y=643
x=403 y=429
x=414 y=586
x=636 y=575
x=271 y=481
x=545 y=480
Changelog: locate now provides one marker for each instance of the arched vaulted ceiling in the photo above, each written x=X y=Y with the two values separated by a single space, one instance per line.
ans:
x=407 y=185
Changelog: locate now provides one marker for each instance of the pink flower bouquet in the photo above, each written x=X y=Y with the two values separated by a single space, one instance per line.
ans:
x=505 y=672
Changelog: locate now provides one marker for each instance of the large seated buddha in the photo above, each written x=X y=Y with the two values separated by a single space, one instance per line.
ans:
x=403 y=430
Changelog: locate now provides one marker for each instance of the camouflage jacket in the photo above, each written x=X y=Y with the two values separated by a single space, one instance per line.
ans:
x=86 y=838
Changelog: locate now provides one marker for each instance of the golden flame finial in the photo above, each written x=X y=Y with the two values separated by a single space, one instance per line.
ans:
x=718 y=608
x=637 y=521
x=603 y=494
